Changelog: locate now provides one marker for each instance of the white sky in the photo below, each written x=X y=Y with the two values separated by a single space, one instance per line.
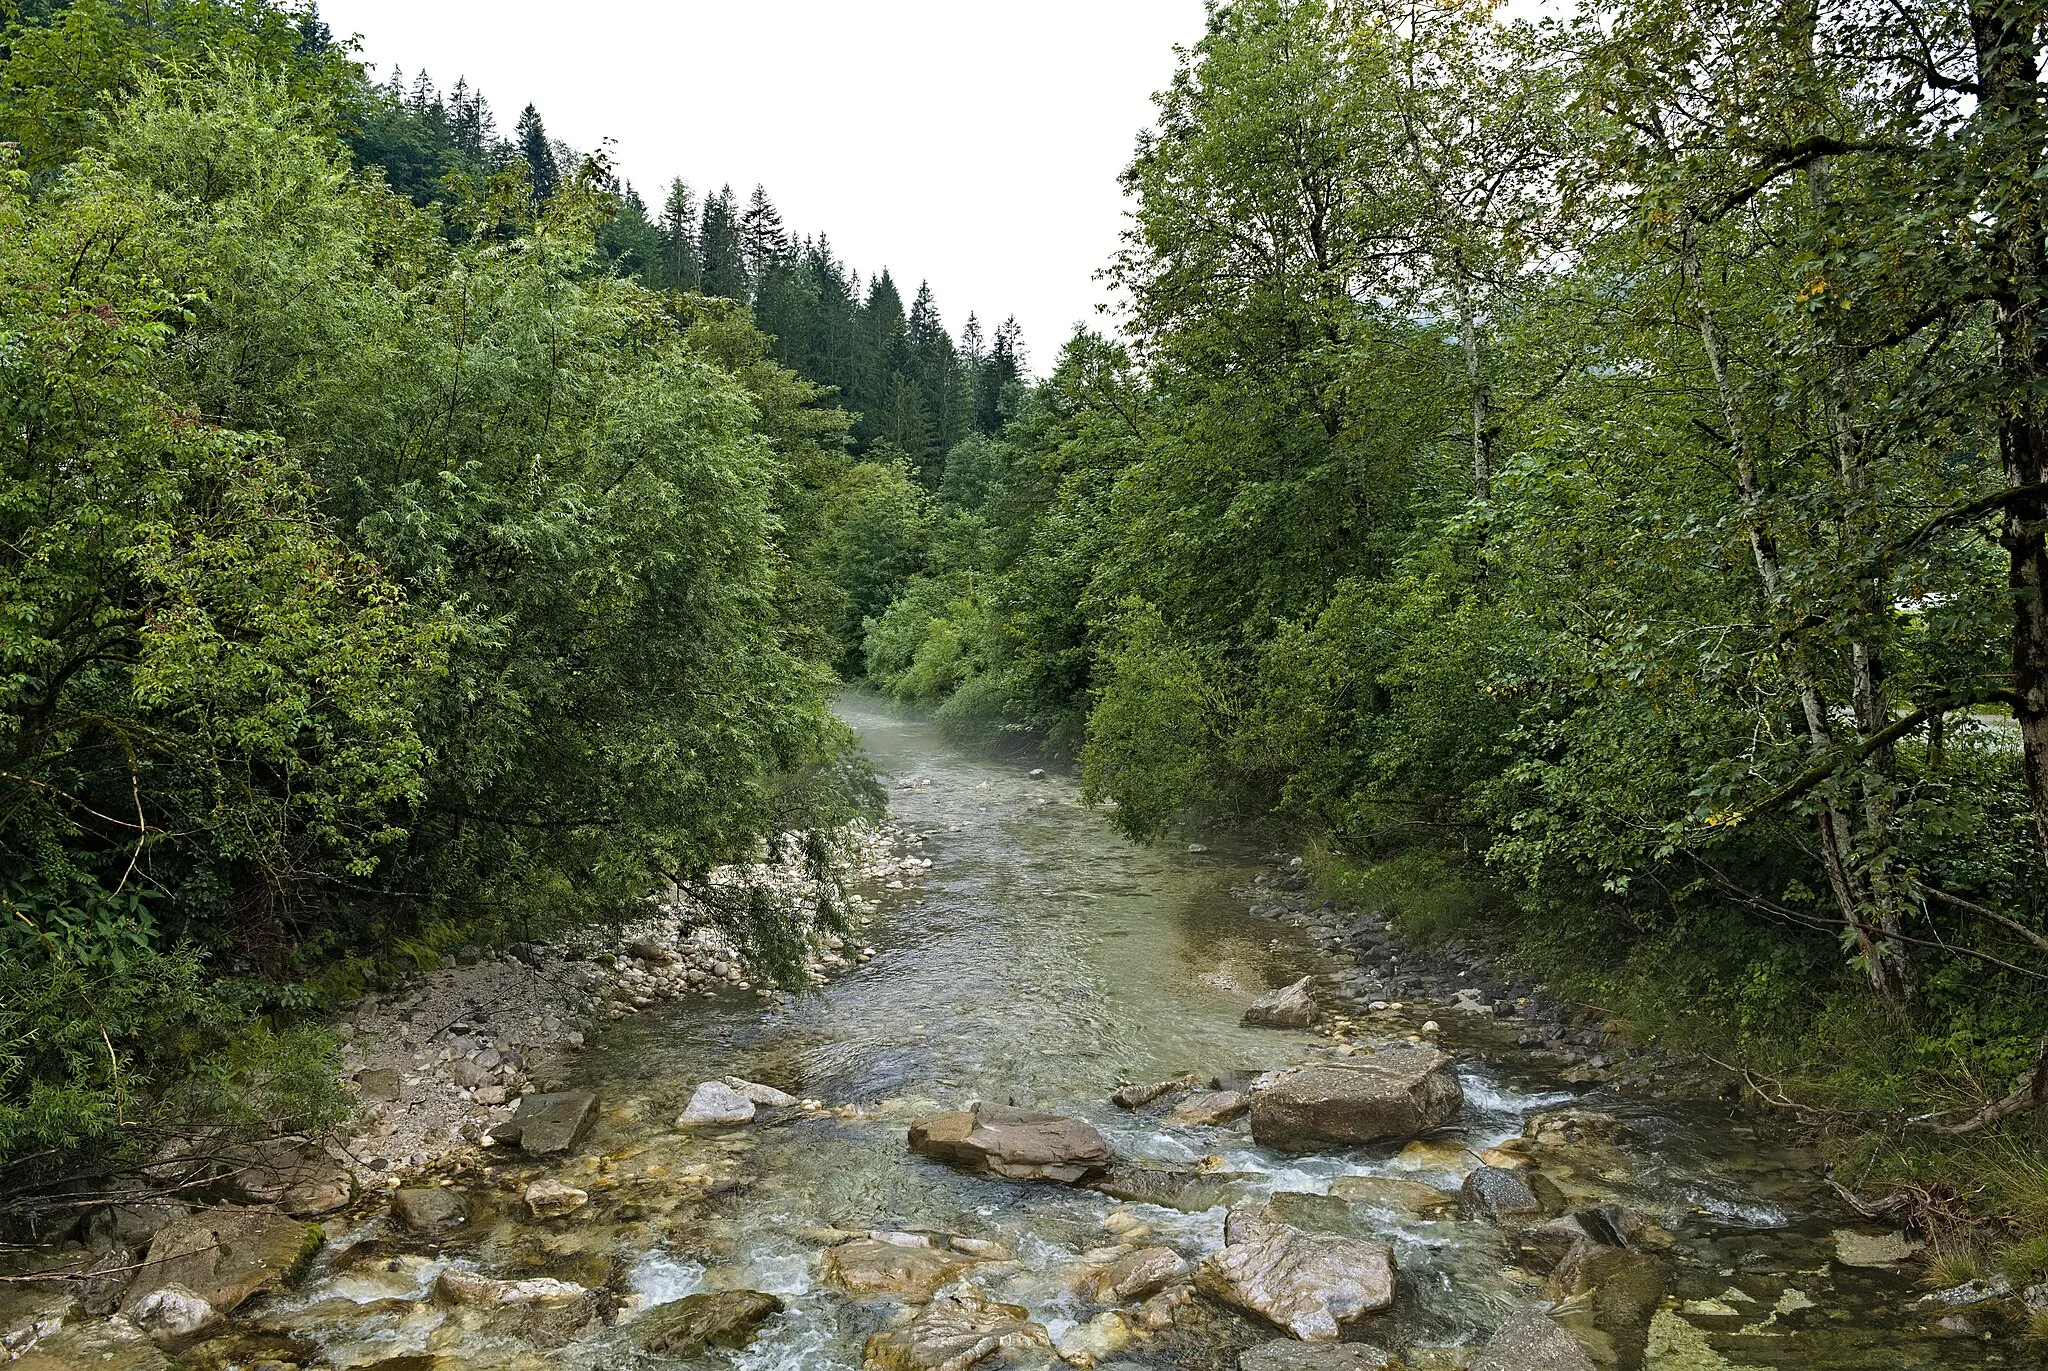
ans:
x=972 y=143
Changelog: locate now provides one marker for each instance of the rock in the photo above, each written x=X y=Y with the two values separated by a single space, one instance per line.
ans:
x=548 y=1123
x=1572 y=1126
x=1502 y=1196
x=1019 y=1144
x=952 y=1334
x=171 y=1312
x=541 y=1309
x=1306 y=1356
x=380 y=1083
x=31 y=1311
x=1393 y=1094
x=715 y=1102
x=427 y=1209
x=1307 y=1283
x=1610 y=1225
x=987 y=1249
x=765 y=1096
x=1616 y=1289
x=1968 y=1293
x=689 y=1326
x=1291 y=1006
x=467 y=1075
x=102 y=1344
x=1393 y=1194
x=867 y=1267
x=1529 y=1341
x=290 y=1174
x=1209 y=1109
x=1873 y=1249
x=1133 y=1277
x=1138 y=1096
x=550 y=1199
x=653 y=953
x=224 y=1256
x=1171 y=1188
x=1088 y=1344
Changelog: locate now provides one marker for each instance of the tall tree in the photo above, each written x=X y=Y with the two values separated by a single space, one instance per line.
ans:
x=531 y=139
x=722 y=249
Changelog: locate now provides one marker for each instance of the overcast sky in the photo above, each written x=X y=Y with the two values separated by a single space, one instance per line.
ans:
x=970 y=143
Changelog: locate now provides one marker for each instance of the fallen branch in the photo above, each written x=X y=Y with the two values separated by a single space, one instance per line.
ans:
x=2031 y=1095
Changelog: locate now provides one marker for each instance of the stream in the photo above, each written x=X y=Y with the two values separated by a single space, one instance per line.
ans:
x=1042 y=961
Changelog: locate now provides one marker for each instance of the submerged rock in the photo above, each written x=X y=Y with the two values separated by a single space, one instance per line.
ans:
x=715 y=1102
x=953 y=1333
x=546 y=1124
x=1291 y=1006
x=1303 y=1356
x=720 y=1318
x=1393 y=1194
x=1144 y=1272
x=1138 y=1095
x=427 y=1209
x=1499 y=1195
x=224 y=1256
x=1393 y=1094
x=1529 y=1341
x=547 y=1311
x=1019 y=1144
x=1170 y=1187
x=1209 y=1109
x=867 y=1267
x=1307 y=1283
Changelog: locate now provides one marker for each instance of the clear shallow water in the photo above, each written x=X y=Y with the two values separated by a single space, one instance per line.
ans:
x=1042 y=961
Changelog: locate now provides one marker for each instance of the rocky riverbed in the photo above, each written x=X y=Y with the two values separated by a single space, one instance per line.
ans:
x=1060 y=1101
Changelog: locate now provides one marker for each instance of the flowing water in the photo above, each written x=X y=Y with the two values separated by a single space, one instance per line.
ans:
x=1042 y=961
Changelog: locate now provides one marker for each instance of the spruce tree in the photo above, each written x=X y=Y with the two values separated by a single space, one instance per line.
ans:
x=724 y=271
x=531 y=139
x=681 y=267
x=764 y=244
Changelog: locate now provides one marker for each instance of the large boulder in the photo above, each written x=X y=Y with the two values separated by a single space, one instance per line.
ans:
x=689 y=1326
x=1308 y=1283
x=1529 y=1341
x=225 y=1256
x=867 y=1267
x=1019 y=1144
x=1391 y=1095
x=101 y=1344
x=545 y=1124
x=541 y=1310
x=1291 y=1006
x=952 y=1334
x=291 y=1174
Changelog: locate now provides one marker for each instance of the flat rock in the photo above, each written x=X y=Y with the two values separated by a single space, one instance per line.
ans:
x=1873 y=1249
x=1393 y=1194
x=1499 y=1195
x=1308 y=1356
x=224 y=1256
x=1209 y=1109
x=719 y=1318
x=1169 y=1187
x=427 y=1209
x=1307 y=1283
x=953 y=1333
x=380 y=1083
x=1291 y=1006
x=1393 y=1094
x=1530 y=1341
x=545 y=1124
x=867 y=1267
x=101 y=1344
x=1144 y=1272
x=715 y=1102
x=1019 y=1144
x=546 y=1311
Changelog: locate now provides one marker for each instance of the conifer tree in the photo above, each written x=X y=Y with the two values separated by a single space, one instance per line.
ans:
x=764 y=244
x=531 y=138
x=681 y=268
x=724 y=271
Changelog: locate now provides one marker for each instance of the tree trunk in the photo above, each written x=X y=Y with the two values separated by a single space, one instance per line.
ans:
x=1482 y=397
x=2009 y=111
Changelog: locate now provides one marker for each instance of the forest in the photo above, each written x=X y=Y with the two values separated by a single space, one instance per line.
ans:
x=1586 y=478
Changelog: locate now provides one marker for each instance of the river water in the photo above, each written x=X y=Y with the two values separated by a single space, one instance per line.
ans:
x=1042 y=961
